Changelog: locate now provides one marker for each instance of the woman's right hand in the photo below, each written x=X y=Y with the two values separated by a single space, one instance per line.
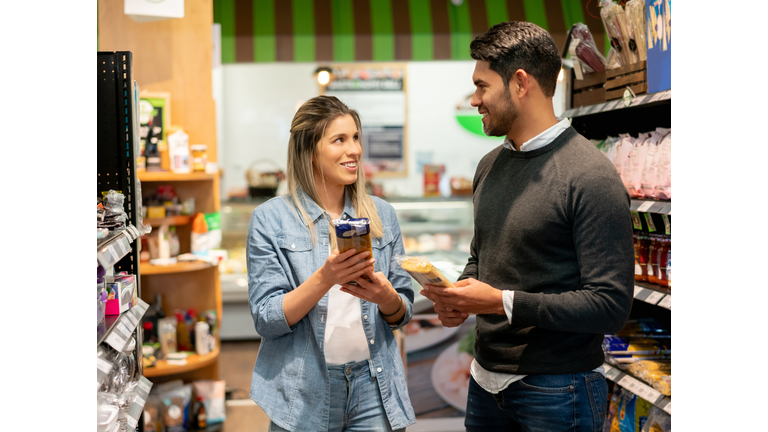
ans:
x=341 y=268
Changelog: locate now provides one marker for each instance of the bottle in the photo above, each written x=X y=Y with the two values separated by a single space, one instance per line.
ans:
x=173 y=240
x=653 y=260
x=662 y=262
x=200 y=415
x=199 y=244
x=182 y=333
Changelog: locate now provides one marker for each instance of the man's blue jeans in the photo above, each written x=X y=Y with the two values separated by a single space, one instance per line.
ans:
x=540 y=403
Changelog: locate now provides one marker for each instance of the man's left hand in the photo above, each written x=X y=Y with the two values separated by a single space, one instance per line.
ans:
x=469 y=296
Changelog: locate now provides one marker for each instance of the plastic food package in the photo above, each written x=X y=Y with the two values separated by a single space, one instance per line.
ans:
x=213 y=394
x=177 y=401
x=621 y=154
x=658 y=421
x=586 y=50
x=633 y=177
x=611 y=423
x=423 y=271
x=633 y=411
x=619 y=346
x=635 y=10
x=153 y=413
x=114 y=215
x=650 y=172
x=354 y=234
x=664 y=167
x=615 y=22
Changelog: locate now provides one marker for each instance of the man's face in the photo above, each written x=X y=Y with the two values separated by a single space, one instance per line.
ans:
x=492 y=99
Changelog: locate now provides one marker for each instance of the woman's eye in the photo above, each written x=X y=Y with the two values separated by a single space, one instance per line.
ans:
x=357 y=138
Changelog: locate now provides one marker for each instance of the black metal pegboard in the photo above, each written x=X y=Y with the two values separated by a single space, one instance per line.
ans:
x=116 y=154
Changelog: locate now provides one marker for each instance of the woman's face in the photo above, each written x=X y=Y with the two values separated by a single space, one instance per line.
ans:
x=339 y=152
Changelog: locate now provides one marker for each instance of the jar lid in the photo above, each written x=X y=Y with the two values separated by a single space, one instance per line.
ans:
x=198 y=147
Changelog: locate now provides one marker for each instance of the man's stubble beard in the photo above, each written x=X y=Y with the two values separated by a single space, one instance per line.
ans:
x=506 y=113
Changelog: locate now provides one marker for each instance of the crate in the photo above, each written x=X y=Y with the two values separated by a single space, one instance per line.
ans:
x=588 y=91
x=634 y=76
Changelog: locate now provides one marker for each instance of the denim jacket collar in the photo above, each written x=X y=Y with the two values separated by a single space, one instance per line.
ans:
x=314 y=211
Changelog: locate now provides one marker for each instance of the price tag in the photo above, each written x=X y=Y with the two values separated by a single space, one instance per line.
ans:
x=140 y=400
x=132 y=422
x=667 y=228
x=115 y=341
x=638 y=291
x=113 y=253
x=645 y=206
x=654 y=297
x=668 y=408
x=125 y=326
x=144 y=386
x=666 y=302
x=132 y=319
x=118 y=246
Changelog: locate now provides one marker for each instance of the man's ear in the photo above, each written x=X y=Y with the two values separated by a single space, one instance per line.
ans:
x=520 y=83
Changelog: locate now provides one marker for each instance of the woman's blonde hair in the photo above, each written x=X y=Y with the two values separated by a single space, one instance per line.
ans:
x=307 y=129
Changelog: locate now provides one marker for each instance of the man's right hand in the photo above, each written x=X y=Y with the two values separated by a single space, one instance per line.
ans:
x=449 y=317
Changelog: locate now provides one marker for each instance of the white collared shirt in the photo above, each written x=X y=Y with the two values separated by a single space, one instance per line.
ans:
x=494 y=382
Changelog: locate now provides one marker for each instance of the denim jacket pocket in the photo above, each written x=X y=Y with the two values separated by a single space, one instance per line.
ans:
x=298 y=252
x=380 y=252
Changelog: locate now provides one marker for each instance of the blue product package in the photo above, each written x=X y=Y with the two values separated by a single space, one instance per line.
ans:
x=354 y=234
x=658 y=21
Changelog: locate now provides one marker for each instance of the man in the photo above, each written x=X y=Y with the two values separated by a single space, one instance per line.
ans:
x=551 y=267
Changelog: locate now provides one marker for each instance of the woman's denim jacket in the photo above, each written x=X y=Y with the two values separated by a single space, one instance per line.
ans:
x=290 y=380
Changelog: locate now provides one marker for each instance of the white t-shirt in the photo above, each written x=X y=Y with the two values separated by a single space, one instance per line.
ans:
x=345 y=339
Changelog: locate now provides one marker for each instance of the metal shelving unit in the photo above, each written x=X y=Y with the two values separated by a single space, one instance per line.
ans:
x=117 y=147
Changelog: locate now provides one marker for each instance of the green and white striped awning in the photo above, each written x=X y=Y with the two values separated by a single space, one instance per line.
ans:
x=381 y=30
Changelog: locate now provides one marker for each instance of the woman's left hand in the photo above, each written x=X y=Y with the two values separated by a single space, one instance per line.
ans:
x=379 y=291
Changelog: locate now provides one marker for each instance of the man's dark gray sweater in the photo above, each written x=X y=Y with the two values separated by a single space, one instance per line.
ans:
x=554 y=225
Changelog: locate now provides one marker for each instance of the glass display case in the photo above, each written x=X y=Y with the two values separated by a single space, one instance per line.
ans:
x=439 y=229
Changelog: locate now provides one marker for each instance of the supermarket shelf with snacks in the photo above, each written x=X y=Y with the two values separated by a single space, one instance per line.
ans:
x=651 y=206
x=115 y=246
x=653 y=296
x=194 y=362
x=618 y=104
x=638 y=387
x=168 y=176
x=117 y=330
x=182 y=267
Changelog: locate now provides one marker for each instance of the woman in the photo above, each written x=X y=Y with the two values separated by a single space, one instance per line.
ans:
x=328 y=359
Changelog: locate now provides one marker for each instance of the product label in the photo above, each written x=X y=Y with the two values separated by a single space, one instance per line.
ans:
x=666 y=302
x=667 y=227
x=654 y=297
x=143 y=385
x=638 y=269
x=103 y=365
x=650 y=270
x=636 y=221
x=645 y=206
x=649 y=220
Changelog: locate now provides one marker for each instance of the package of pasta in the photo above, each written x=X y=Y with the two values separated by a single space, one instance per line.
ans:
x=353 y=234
x=423 y=271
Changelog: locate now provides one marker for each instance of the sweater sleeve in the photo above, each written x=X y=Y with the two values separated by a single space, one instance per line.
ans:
x=598 y=207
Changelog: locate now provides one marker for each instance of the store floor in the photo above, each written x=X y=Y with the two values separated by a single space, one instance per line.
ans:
x=236 y=361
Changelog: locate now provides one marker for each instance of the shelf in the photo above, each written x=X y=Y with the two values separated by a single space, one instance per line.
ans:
x=171 y=220
x=147 y=269
x=168 y=176
x=645 y=99
x=430 y=227
x=638 y=387
x=651 y=206
x=194 y=362
x=119 y=328
x=111 y=249
x=654 y=297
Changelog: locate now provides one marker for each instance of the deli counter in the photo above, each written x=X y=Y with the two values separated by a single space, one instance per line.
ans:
x=439 y=229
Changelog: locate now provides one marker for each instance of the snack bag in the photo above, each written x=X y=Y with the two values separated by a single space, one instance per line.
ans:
x=664 y=164
x=658 y=421
x=354 y=234
x=621 y=154
x=633 y=412
x=423 y=271
x=638 y=156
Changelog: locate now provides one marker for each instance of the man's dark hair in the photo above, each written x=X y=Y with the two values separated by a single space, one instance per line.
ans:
x=513 y=45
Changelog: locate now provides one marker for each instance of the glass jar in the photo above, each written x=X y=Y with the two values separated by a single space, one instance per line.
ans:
x=199 y=156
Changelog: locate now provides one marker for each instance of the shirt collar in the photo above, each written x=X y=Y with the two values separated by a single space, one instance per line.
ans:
x=541 y=139
x=314 y=211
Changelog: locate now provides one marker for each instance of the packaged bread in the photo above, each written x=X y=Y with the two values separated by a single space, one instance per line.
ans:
x=423 y=271
x=354 y=234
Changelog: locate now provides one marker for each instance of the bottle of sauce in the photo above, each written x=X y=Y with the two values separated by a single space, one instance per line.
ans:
x=641 y=258
x=653 y=258
x=663 y=260
x=201 y=418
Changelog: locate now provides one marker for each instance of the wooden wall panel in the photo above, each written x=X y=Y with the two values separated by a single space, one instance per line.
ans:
x=172 y=55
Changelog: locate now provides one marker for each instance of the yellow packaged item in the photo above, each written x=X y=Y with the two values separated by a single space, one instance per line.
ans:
x=423 y=271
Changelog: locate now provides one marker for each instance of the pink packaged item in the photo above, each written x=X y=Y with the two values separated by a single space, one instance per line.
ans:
x=650 y=172
x=621 y=153
x=633 y=177
x=664 y=176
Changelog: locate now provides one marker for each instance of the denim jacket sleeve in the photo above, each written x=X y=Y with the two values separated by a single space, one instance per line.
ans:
x=398 y=277
x=267 y=281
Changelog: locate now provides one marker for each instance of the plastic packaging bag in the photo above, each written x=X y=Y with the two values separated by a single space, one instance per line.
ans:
x=621 y=156
x=664 y=166
x=650 y=172
x=213 y=394
x=658 y=421
x=635 y=10
x=633 y=177
x=422 y=270
x=177 y=401
x=114 y=216
x=586 y=50
x=633 y=411
x=615 y=22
